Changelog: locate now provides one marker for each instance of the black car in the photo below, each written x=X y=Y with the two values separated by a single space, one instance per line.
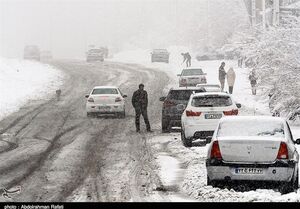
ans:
x=174 y=104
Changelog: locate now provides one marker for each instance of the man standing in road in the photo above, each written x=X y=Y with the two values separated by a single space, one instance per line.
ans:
x=187 y=57
x=140 y=104
x=222 y=74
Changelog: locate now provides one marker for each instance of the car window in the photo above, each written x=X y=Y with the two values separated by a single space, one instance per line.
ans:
x=188 y=72
x=182 y=94
x=251 y=128
x=211 y=101
x=105 y=91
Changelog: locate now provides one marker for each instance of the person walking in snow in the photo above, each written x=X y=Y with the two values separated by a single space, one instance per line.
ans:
x=187 y=57
x=140 y=104
x=222 y=75
x=253 y=81
x=230 y=79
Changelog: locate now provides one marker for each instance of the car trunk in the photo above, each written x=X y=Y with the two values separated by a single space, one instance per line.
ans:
x=249 y=149
x=105 y=99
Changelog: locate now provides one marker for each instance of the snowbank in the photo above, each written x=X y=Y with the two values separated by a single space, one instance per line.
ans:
x=23 y=80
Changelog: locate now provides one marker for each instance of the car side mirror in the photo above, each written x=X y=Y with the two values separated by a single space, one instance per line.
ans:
x=238 y=105
x=297 y=141
x=162 y=99
x=124 y=96
x=87 y=96
x=208 y=139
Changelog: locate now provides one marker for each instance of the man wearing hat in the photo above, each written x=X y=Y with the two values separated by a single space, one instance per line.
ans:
x=140 y=104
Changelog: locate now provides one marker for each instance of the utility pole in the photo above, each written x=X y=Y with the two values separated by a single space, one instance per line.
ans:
x=276 y=12
x=263 y=13
x=253 y=13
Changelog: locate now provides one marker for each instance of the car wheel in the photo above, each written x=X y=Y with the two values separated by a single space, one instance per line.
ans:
x=212 y=183
x=123 y=114
x=186 y=142
x=165 y=125
x=89 y=114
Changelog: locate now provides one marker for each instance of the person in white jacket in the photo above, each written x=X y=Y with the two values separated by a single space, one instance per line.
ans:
x=230 y=79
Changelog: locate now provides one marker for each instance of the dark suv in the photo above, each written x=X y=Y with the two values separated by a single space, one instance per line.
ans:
x=174 y=104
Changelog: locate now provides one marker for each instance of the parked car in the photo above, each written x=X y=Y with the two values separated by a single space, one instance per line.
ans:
x=160 y=55
x=210 y=87
x=173 y=106
x=191 y=77
x=202 y=114
x=105 y=100
x=32 y=52
x=253 y=148
x=94 y=54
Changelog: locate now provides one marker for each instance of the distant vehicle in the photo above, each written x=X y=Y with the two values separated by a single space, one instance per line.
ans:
x=107 y=100
x=173 y=106
x=210 y=56
x=202 y=114
x=32 y=52
x=210 y=87
x=160 y=55
x=94 y=54
x=46 y=56
x=191 y=77
x=105 y=51
x=253 y=148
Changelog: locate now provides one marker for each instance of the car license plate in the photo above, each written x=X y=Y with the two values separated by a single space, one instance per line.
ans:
x=213 y=116
x=104 y=107
x=248 y=171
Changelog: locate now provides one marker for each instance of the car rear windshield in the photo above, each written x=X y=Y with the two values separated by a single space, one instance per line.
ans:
x=182 y=94
x=105 y=91
x=211 y=101
x=188 y=72
x=251 y=128
x=160 y=51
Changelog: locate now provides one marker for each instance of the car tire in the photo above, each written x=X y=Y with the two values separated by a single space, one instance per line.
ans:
x=212 y=183
x=185 y=141
x=89 y=114
x=123 y=114
x=165 y=125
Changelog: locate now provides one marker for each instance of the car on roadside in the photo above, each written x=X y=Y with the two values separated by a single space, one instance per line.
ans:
x=160 y=55
x=191 y=77
x=253 y=148
x=210 y=87
x=32 y=52
x=94 y=55
x=173 y=106
x=105 y=100
x=202 y=114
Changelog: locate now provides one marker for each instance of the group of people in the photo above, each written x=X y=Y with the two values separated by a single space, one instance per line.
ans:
x=230 y=75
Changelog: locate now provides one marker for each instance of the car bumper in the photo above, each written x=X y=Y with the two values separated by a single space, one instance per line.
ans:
x=105 y=110
x=192 y=130
x=282 y=172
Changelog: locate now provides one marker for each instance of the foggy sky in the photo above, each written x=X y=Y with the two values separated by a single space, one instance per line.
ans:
x=67 y=27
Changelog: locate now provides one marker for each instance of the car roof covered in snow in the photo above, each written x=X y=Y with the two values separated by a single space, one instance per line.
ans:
x=211 y=93
x=187 y=88
x=192 y=68
x=105 y=87
x=253 y=117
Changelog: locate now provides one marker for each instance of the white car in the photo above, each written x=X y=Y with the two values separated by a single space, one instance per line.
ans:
x=105 y=100
x=210 y=87
x=191 y=77
x=202 y=114
x=253 y=148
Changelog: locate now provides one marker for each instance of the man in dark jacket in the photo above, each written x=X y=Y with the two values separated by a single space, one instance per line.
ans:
x=187 y=57
x=222 y=74
x=140 y=104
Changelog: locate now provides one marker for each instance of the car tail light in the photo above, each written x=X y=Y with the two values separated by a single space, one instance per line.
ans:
x=215 y=151
x=231 y=112
x=118 y=99
x=168 y=103
x=283 y=151
x=190 y=113
x=91 y=99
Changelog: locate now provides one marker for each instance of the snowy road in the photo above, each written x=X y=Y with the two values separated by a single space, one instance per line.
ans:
x=55 y=153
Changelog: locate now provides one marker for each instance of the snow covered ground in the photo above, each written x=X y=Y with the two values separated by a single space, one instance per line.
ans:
x=193 y=181
x=23 y=80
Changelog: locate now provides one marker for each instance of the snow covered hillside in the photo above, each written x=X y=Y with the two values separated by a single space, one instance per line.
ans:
x=23 y=80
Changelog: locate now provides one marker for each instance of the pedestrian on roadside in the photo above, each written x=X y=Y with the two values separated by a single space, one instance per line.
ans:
x=187 y=57
x=222 y=75
x=253 y=81
x=140 y=104
x=230 y=79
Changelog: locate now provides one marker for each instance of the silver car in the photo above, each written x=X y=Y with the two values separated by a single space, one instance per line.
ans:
x=255 y=148
x=191 y=77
